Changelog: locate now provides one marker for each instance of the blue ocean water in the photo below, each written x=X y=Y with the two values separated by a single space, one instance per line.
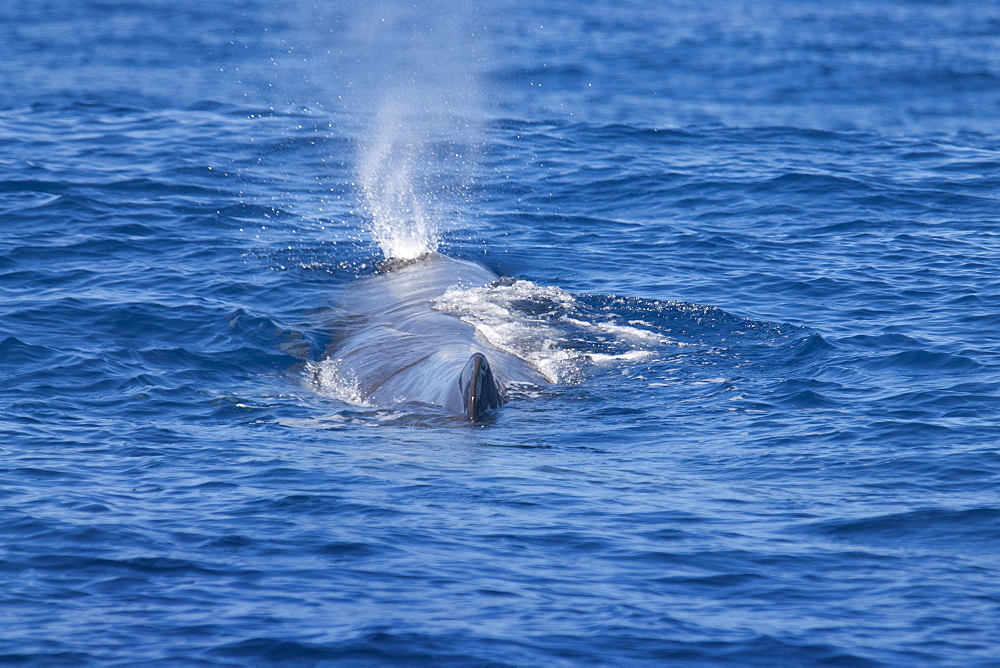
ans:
x=761 y=248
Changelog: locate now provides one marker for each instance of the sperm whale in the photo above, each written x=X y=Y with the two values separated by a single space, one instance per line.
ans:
x=394 y=347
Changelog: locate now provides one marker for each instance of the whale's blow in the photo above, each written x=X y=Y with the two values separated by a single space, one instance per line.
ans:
x=414 y=85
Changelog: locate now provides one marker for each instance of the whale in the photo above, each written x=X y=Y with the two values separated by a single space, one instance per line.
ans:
x=393 y=346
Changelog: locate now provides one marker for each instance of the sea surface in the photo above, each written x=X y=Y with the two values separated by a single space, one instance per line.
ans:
x=756 y=249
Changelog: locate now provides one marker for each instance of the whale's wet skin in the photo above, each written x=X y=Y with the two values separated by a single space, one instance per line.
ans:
x=397 y=342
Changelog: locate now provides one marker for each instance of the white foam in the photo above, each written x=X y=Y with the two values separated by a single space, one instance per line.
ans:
x=628 y=356
x=501 y=314
x=328 y=380
x=548 y=327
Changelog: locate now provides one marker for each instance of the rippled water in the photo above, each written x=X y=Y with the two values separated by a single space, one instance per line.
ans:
x=756 y=244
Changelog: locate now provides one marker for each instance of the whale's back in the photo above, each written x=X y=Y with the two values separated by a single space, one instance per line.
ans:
x=393 y=346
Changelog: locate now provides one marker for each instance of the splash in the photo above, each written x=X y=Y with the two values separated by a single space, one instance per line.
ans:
x=521 y=318
x=417 y=91
x=328 y=378
x=556 y=331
